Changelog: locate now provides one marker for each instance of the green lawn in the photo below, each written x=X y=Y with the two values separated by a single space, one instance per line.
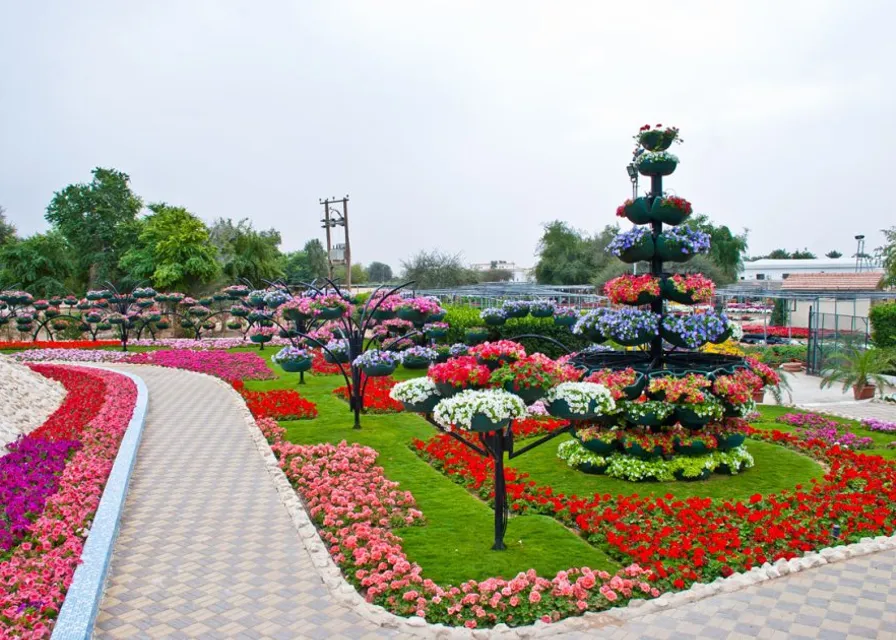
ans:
x=881 y=440
x=454 y=544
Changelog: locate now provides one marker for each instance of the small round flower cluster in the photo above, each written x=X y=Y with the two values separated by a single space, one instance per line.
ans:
x=629 y=324
x=495 y=404
x=691 y=241
x=696 y=329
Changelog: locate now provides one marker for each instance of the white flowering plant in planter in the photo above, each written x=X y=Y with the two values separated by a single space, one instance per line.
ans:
x=496 y=405
x=414 y=391
x=583 y=397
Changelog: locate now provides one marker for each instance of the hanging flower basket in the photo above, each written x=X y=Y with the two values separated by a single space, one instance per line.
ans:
x=297 y=309
x=690 y=289
x=566 y=316
x=579 y=401
x=657 y=139
x=633 y=246
x=680 y=244
x=493 y=316
x=635 y=448
x=590 y=325
x=233 y=324
x=296 y=366
x=479 y=411
x=497 y=354
x=418 y=357
x=459 y=373
x=697 y=416
x=625 y=384
x=515 y=308
x=630 y=327
x=240 y=312
x=730 y=441
x=598 y=441
x=649 y=414
x=541 y=309
x=635 y=210
x=671 y=210
x=695 y=445
x=656 y=163
x=692 y=331
x=633 y=290
x=329 y=313
x=419 y=395
x=258 y=338
x=384 y=314
x=435 y=330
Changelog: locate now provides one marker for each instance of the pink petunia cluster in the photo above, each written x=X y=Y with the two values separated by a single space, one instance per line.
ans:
x=357 y=510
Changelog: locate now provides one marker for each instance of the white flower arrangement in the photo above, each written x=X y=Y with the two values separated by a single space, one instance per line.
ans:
x=637 y=410
x=737 y=331
x=414 y=391
x=495 y=404
x=712 y=410
x=583 y=397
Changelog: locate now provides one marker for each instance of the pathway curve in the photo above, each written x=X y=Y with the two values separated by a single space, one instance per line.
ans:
x=208 y=550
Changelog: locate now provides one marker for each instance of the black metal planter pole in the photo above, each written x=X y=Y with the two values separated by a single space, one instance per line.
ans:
x=656 y=269
x=495 y=444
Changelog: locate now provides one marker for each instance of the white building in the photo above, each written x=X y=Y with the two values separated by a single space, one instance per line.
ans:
x=520 y=274
x=777 y=270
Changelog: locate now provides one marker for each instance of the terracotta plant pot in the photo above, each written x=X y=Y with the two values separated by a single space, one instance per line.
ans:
x=864 y=393
x=792 y=367
x=759 y=396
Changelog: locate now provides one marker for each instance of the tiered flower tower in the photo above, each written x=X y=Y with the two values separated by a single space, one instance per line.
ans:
x=679 y=412
x=643 y=403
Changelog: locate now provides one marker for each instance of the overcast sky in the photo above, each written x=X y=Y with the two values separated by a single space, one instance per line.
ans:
x=461 y=126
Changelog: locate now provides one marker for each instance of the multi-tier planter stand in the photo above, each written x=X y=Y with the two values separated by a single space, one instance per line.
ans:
x=656 y=358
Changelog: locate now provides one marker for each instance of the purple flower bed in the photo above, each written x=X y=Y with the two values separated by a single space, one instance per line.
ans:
x=873 y=424
x=816 y=427
x=29 y=474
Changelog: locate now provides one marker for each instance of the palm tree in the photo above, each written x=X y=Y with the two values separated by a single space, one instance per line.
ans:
x=858 y=368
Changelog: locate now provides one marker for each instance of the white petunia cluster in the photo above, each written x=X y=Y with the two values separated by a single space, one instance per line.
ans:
x=414 y=391
x=495 y=404
x=583 y=397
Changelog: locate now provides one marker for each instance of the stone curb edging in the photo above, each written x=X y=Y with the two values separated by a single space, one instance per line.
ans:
x=348 y=596
x=82 y=601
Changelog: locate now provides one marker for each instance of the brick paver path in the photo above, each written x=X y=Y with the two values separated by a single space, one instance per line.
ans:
x=207 y=550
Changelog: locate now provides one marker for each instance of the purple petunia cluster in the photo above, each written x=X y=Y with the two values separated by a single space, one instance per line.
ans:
x=629 y=324
x=625 y=241
x=873 y=424
x=696 y=329
x=691 y=241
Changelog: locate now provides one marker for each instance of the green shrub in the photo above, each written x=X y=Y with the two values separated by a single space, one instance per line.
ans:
x=777 y=354
x=883 y=324
x=461 y=318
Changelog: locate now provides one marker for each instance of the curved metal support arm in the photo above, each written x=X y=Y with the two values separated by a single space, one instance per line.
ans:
x=480 y=450
x=553 y=434
x=546 y=338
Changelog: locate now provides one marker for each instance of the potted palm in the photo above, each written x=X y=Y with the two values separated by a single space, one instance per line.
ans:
x=859 y=368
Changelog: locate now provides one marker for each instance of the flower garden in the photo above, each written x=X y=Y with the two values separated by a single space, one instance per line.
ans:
x=639 y=466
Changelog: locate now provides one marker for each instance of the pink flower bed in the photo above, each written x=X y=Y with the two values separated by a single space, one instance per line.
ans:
x=227 y=366
x=357 y=509
x=36 y=574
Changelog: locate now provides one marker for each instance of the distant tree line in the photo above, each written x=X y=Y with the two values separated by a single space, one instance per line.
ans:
x=101 y=231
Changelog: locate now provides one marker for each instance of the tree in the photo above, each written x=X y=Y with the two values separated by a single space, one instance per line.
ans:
x=496 y=275
x=99 y=222
x=172 y=250
x=727 y=250
x=244 y=252
x=887 y=254
x=779 y=254
x=379 y=272
x=359 y=273
x=434 y=269
x=306 y=265
x=42 y=264
x=7 y=230
x=805 y=254
x=833 y=254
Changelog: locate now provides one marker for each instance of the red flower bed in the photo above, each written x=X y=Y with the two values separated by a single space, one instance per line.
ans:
x=84 y=398
x=279 y=404
x=58 y=344
x=323 y=368
x=376 y=395
x=778 y=332
x=699 y=539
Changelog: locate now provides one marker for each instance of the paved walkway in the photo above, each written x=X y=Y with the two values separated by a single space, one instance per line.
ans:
x=207 y=550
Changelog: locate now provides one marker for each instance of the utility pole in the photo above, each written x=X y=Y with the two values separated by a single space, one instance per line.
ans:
x=335 y=216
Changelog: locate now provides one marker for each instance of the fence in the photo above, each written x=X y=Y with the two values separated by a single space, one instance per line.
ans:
x=829 y=332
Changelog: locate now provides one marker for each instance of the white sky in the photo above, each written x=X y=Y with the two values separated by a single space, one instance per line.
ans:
x=458 y=125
